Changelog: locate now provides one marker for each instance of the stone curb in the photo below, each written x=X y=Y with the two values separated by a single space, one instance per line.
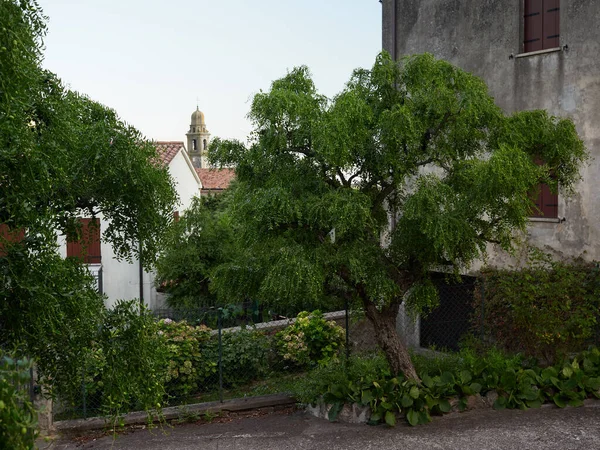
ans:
x=175 y=412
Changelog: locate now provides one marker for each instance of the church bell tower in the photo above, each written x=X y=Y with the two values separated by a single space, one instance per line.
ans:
x=198 y=139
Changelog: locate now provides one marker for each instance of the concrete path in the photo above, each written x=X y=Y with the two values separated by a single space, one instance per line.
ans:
x=545 y=428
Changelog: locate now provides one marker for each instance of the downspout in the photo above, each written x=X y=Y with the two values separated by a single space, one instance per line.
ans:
x=141 y=272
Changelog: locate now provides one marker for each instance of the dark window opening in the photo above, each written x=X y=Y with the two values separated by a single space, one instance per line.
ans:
x=204 y=144
x=194 y=145
x=541 y=25
x=86 y=245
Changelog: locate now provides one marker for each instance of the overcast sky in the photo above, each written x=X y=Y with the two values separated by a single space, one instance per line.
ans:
x=151 y=59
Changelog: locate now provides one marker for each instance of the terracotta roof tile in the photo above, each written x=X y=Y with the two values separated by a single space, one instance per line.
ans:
x=215 y=178
x=167 y=150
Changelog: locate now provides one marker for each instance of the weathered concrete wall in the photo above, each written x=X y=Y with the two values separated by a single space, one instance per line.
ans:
x=485 y=38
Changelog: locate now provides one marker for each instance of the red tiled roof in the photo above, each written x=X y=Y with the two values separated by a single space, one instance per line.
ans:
x=167 y=150
x=215 y=178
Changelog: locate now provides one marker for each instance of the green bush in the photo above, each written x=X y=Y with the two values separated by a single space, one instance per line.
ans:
x=134 y=357
x=546 y=311
x=187 y=368
x=246 y=356
x=517 y=385
x=310 y=340
x=124 y=367
x=17 y=415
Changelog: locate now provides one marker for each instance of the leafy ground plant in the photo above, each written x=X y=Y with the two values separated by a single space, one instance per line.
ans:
x=516 y=386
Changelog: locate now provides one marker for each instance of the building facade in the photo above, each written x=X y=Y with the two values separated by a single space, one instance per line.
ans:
x=533 y=54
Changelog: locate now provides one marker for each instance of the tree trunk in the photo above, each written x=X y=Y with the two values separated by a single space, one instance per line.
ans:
x=384 y=323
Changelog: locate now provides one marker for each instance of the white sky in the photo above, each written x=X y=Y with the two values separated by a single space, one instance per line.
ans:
x=149 y=60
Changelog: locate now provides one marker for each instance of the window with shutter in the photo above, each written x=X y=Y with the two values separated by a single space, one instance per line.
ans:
x=541 y=25
x=8 y=235
x=86 y=245
x=546 y=202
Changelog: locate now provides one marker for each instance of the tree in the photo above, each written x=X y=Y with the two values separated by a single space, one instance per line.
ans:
x=411 y=168
x=63 y=156
x=196 y=244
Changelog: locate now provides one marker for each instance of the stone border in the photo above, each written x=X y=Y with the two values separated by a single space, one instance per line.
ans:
x=176 y=412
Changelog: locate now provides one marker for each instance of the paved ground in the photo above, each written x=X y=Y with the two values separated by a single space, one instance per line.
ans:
x=545 y=428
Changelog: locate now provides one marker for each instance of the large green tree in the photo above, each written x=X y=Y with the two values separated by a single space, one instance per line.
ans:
x=411 y=168
x=63 y=156
x=201 y=240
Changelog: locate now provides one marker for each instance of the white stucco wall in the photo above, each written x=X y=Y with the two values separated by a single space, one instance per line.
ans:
x=186 y=183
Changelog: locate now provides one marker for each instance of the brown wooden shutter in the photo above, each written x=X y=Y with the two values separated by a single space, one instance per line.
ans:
x=533 y=26
x=549 y=201
x=551 y=26
x=10 y=235
x=87 y=245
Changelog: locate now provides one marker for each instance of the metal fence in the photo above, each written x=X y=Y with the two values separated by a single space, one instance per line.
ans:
x=236 y=353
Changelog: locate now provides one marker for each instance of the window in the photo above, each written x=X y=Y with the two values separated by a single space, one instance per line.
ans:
x=86 y=245
x=204 y=144
x=194 y=145
x=541 y=25
x=546 y=202
x=10 y=236
x=176 y=216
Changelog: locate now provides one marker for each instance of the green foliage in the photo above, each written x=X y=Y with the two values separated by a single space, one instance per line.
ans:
x=411 y=167
x=310 y=340
x=62 y=156
x=194 y=245
x=134 y=361
x=123 y=369
x=187 y=368
x=246 y=356
x=546 y=310
x=448 y=384
x=17 y=414
x=193 y=357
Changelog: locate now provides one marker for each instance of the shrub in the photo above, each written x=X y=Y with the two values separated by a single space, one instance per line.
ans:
x=17 y=415
x=545 y=311
x=310 y=340
x=517 y=386
x=134 y=358
x=187 y=369
x=246 y=356
x=356 y=371
x=123 y=368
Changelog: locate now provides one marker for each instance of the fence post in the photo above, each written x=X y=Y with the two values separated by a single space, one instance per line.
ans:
x=220 y=326
x=482 y=310
x=347 y=334
x=83 y=391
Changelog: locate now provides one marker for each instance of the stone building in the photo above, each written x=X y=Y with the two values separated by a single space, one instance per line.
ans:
x=533 y=54
x=198 y=139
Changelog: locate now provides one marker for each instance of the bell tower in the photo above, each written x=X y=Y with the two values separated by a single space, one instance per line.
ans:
x=198 y=139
